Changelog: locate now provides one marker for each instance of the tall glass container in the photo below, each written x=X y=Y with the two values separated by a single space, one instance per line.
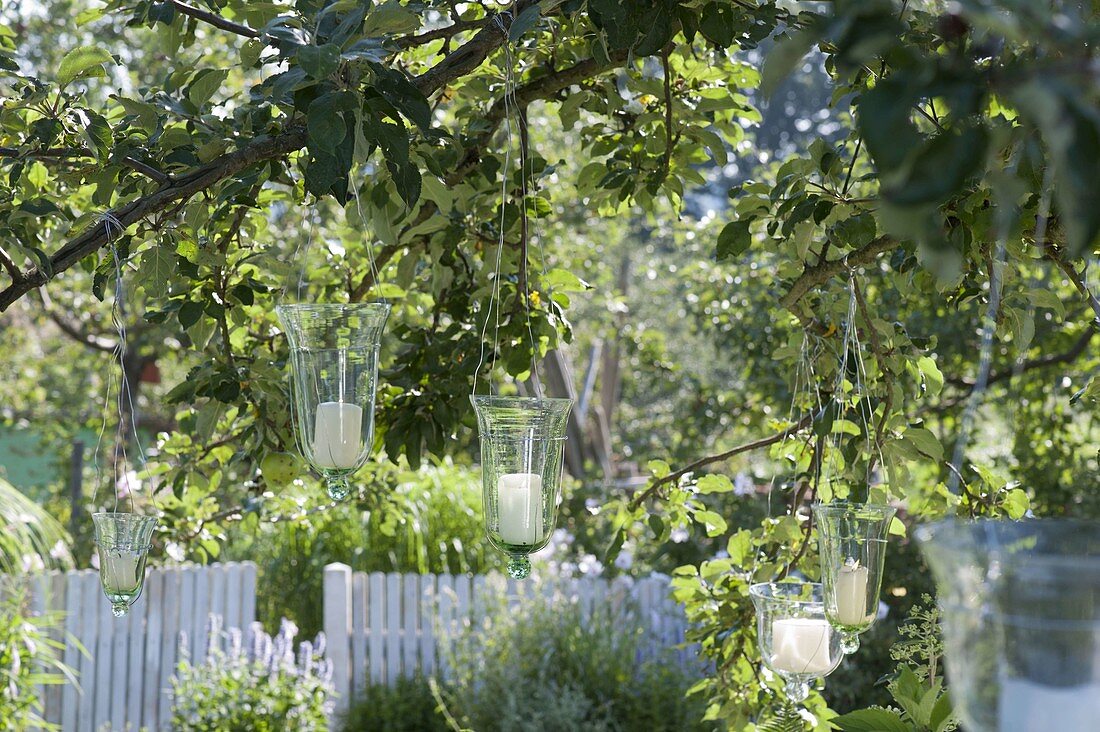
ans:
x=334 y=376
x=796 y=642
x=123 y=541
x=1021 y=621
x=852 y=544
x=522 y=445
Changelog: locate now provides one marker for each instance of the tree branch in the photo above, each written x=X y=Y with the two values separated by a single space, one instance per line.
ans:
x=446 y=33
x=1068 y=356
x=675 y=475
x=822 y=272
x=10 y=266
x=461 y=61
x=215 y=20
x=94 y=342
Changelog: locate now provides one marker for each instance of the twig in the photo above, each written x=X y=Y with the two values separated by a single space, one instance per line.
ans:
x=215 y=20
x=1058 y=257
x=10 y=266
x=147 y=170
x=666 y=164
x=703 y=462
x=447 y=32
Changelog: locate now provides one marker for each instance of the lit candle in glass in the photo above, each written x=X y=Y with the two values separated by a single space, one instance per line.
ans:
x=122 y=572
x=801 y=646
x=337 y=435
x=519 y=498
x=851 y=594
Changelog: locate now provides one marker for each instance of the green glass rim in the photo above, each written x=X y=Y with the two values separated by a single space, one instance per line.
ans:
x=877 y=511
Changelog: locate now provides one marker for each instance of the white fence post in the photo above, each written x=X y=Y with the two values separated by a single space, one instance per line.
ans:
x=337 y=624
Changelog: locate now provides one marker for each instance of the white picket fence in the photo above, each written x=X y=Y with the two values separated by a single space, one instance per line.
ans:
x=381 y=627
x=125 y=675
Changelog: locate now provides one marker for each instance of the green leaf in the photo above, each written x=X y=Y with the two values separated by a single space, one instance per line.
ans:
x=82 y=62
x=871 y=720
x=714 y=484
x=157 y=267
x=98 y=134
x=396 y=89
x=189 y=313
x=390 y=17
x=319 y=61
x=524 y=22
x=925 y=442
x=204 y=85
x=1016 y=503
x=734 y=240
x=325 y=122
x=658 y=468
x=714 y=524
x=933 y=377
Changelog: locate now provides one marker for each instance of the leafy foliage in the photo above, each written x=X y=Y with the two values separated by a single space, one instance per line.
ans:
x=547 y=663
x=267 y=686
x=406 y=706
x=29 y=657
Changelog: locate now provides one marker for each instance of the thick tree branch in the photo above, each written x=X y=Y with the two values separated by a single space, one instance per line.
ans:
x=822 y=272
x=675 y=475
x=215 y=20
x=50 y=153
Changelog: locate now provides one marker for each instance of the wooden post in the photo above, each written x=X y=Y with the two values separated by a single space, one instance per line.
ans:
x=337 y=624
x=76 y=488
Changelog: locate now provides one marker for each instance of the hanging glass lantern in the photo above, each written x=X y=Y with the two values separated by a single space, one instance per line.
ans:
x=1021 y=621
x=852 y=544
x=123 y=540
x=522 y=445
x=334 y=368
x=796 y=641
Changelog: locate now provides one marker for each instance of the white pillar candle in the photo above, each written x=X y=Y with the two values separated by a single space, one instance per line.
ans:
x=851 y=594
x=1026 y=706
x=519 y=508
x=120 y=573
x=336 y=435
x=801 y=646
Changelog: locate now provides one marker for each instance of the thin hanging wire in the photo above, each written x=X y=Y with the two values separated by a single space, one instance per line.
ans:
x=125 y=401
x=494 y=297
x=370 y=245
x=300 y=255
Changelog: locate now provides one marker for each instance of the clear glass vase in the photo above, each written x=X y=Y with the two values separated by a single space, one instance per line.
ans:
x=852 y=544
x=334 y=376
x=1021 y=621
x=796 y=641
x=522 y=445
x=123 y=541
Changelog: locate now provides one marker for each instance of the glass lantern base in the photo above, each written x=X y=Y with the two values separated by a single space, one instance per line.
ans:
x=118 y=609
x=849 y=643
x=796 y=691
x=519 y=567
x=338 y=488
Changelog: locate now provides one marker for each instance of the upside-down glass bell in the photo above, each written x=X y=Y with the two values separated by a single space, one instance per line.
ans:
x=1021 y=621
x=852 y=544
x=334 y=367
x=123 y=540
x=522 y=444
x=796 y=641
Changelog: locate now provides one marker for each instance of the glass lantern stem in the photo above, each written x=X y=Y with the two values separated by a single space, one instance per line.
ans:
x=849 y=642
x=796 y=691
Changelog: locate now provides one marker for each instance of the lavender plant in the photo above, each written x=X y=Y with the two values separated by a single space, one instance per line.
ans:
x=263 y=686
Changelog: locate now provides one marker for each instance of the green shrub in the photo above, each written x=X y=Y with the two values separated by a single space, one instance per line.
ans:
x=540 y=665
x=430 y=522
x=407 y=706
x=28 y=656
x=264 y=688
